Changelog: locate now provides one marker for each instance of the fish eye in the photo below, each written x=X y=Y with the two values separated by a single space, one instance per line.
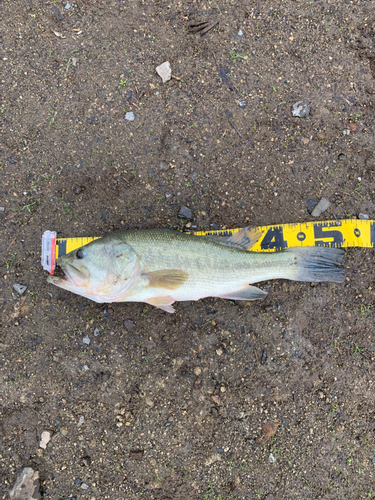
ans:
x=80 y=254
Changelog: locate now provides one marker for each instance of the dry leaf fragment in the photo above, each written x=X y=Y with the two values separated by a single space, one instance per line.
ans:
x=269 y=430
x=60 y=35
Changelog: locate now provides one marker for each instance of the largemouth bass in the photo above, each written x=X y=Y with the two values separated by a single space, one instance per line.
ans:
x=160 y=267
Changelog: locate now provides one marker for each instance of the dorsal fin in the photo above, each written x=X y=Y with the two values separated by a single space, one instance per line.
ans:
x=243 y=239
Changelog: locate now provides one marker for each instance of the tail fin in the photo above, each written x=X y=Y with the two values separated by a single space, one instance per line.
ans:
x=318 y=264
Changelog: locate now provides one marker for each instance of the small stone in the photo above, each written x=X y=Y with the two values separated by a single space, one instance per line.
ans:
x=168 y=196
x=240 y=33
x=185 y=212
x=136 y=454
x=342 y=157
x=149 y=402
x=130 y=116
x=322 y=206
x=81 y=421
x=301 y=109
x=86 y=368
x=164 y=71
x=63 y=430
x=373 y=460
x=220 y=450
x=67 y=6
x=321 y=395
x=219 y=351
x=272 y=458
x=108 y=311
x=346 y=131
x=86 y=340
x=78 y=481
x=26 y=486
x=164 y=166
x=84 y=486
x=197 y=370
x=222 y=389
x=310 y=205
x=129 y=325
x=2 y=209
x=242 y=104
x=193 y=176
x=363 y=216
x=45 y=439
x=19 y=288
x=96 y=332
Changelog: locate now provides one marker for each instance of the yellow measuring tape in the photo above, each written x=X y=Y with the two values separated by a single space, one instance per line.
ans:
x=338 y=234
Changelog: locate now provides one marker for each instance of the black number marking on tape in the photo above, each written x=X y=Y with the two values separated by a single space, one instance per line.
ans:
x=301 y=236
x=274 y=239
x=62 y=247
x=320 y=231
x=357 y=232
x=372 y=234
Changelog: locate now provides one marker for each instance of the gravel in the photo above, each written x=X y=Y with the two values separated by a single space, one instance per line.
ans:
x=164 y=71
x=130 y=116
x=20 y=288
x=185 y=212
x=300 y=109
x=26 y=486
x=322 y=206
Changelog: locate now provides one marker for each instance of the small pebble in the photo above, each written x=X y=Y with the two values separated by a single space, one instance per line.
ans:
x=164 y=71
x=197 y=370
x=26 y=485
x=240 y=33
x=310 y=205
x=129 y=324
x=19 y=288
x=185 y=212
x=322 y=206
x=342 y=157
x=78 y=481
x=272 y=458
x=219 y=351
x=96 y=332
x=193 y=176
x=363 y=216
x=168 y=196
x=130 y=116
x=45 y=439
x=301 y=109
x=242 y=104
x=81 y=421
x=346 y=132
x=67 y=6
x=164 y=166
x=86 y=340
x=63 y=430
x=2 y=209
x=84 y=486
x=85 y=367
x=373 y=460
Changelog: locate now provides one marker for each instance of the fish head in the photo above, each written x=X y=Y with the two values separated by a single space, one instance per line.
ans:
x=103 y=270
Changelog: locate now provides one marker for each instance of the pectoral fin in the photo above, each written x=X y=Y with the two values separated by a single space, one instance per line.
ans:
x=166 y=278
x=164 y=303
x=248 y=293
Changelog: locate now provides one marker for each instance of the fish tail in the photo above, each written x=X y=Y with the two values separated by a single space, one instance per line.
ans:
x=318 y=264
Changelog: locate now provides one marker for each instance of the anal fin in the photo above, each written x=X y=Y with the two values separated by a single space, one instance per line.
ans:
x=164 y=303
x=248 y=293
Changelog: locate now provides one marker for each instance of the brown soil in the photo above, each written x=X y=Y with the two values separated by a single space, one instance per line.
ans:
x=183 y=406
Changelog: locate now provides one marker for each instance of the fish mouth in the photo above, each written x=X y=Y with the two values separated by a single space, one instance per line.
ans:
x=68 y=275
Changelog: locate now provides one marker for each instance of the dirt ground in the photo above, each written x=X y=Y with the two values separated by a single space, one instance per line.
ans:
x=191 y=405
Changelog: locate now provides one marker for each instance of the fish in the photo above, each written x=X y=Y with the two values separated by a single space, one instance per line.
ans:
x=161 y=266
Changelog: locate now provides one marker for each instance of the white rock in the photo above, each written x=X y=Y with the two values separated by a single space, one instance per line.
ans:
x=81 y=421
x=19 y=288
x=272 y=458
x=45 y=438
x=363 y=216
x=164 y=71
x=26 y=486
x=321 y=207
x=130 y=116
